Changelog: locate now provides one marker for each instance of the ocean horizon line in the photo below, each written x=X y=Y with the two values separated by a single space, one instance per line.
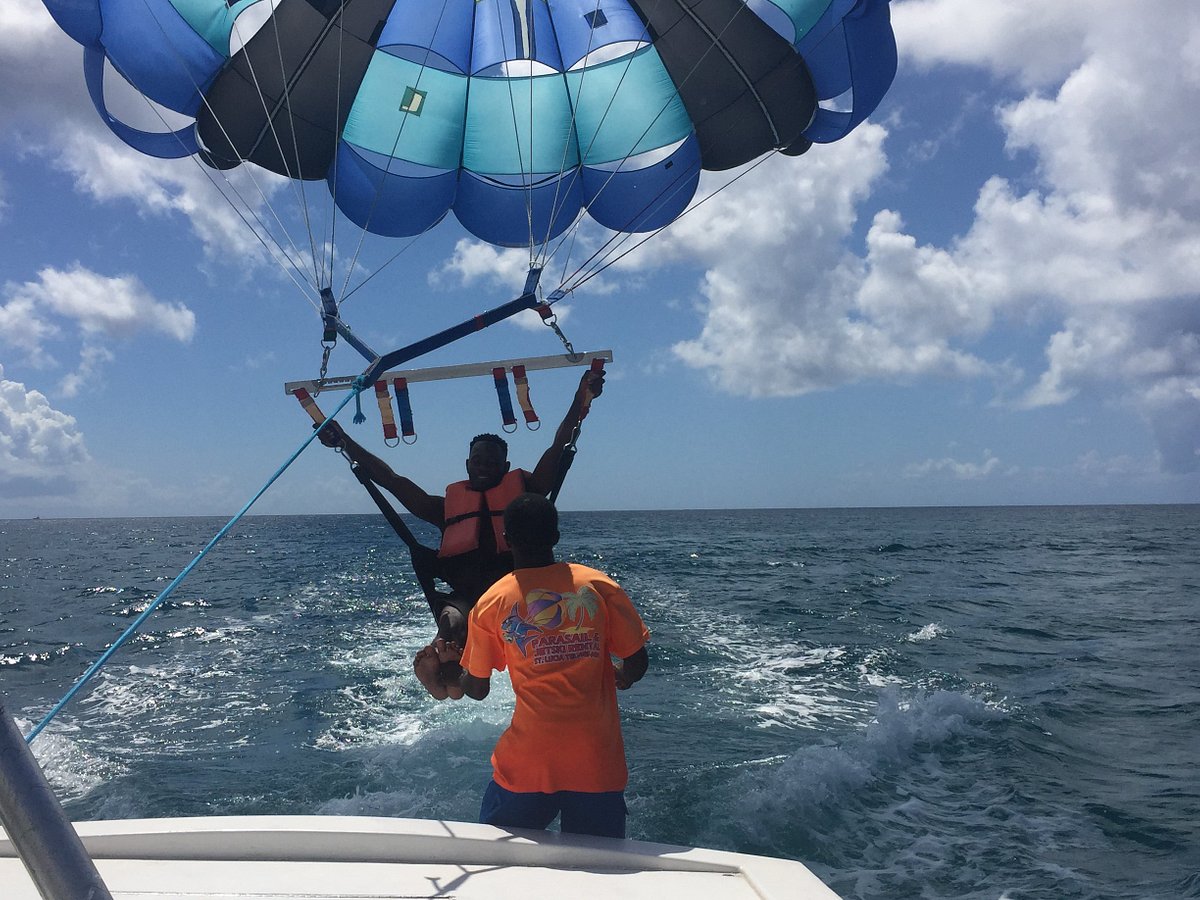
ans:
x=628 y=510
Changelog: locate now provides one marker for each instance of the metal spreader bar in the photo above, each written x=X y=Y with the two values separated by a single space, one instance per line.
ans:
x=443 y=373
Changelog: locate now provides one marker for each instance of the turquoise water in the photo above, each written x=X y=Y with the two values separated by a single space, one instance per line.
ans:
x=972 y=703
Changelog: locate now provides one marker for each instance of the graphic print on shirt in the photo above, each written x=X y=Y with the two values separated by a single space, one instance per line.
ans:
x=555 y=627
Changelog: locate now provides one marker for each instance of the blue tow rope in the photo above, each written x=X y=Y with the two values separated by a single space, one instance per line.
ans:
x=137 y=623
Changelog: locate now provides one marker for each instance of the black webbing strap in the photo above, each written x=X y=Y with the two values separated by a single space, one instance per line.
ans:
x=565 y=458
x=424 y=559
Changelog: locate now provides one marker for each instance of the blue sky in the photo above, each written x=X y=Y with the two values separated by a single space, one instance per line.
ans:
x=988 y=294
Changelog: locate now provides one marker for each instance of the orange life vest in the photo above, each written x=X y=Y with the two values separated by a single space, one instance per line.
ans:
x=466 y=508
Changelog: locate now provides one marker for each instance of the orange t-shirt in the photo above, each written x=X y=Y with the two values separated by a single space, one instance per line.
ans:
x=556 y=629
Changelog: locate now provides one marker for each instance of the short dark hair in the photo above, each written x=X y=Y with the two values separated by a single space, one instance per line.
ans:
x=489 y=439
x=531 y=521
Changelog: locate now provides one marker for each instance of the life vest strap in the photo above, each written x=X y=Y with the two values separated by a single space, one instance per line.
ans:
x=474 y=514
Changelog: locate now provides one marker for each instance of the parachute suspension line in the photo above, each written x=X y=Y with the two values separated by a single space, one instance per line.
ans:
x=285 y=262
x=729 y=58
x=622 y=237
x=395 y=256
x=170 y=588
x=595 y=136
x=347 y=292
x=541 y=258
x=527 y=177
x=617 y=238
x=532 y=165
x=296 y=189
x=330 y=252
x=291 y=262
x=610 y=261
x=287 y=99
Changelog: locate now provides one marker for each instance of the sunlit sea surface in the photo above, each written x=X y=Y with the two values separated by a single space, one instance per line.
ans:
x=960 y=703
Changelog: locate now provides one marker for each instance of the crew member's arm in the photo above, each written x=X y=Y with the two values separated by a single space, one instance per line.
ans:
x=475 y=688
x=631 y=669
x=541 y=480
x=424 y=506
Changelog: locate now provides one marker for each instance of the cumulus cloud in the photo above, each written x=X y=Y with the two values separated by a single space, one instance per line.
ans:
x=40 y=447
x=475 y=263
x=788 y=309
x=45 y=108
x=963 y=471
x=1099 y=245
x=98 y=308
x=1109 y=242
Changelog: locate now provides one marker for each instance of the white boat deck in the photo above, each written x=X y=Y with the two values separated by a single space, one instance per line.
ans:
x=356 y=858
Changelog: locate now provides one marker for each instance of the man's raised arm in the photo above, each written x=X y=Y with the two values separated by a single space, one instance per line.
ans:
x=421 y=504
x=541 y=480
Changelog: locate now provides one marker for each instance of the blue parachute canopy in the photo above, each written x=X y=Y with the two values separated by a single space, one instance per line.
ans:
x=515 y=114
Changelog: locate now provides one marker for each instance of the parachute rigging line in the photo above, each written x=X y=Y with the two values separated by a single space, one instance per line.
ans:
x=296 y=187
x=347 y=292
x=542 y=258
x=318 y=263
x=250 y=174
x=625 y=236
x=715 y=40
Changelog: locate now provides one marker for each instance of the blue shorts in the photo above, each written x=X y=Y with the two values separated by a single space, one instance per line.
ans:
x=601 y=814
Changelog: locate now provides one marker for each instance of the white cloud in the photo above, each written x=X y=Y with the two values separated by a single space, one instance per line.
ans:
x=788 y=309
x=40 y=447
x=473 y=262
x=44 y=109
x=1105 y=248
x=1036 y=43
x=100 y=309
x=963 y=471
x=476 y=263
x=1110 y=242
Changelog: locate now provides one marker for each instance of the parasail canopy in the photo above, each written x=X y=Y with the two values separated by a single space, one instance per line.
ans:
x=517 y=115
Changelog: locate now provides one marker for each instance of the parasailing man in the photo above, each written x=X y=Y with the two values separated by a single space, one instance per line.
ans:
x=473 y=553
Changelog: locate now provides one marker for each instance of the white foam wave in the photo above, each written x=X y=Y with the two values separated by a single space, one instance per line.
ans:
x=72 y=769
x=929 y=632
x=823 y=780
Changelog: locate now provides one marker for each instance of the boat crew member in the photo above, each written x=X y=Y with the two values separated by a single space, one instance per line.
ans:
x=556 y=627
x=472 y=552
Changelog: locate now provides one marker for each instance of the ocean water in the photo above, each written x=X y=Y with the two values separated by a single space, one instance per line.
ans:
x=916 y=703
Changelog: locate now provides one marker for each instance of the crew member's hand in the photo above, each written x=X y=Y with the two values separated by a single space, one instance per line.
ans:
x=623 y=682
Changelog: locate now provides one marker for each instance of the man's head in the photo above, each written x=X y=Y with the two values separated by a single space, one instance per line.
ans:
x=487 y=461
x=531 y=523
